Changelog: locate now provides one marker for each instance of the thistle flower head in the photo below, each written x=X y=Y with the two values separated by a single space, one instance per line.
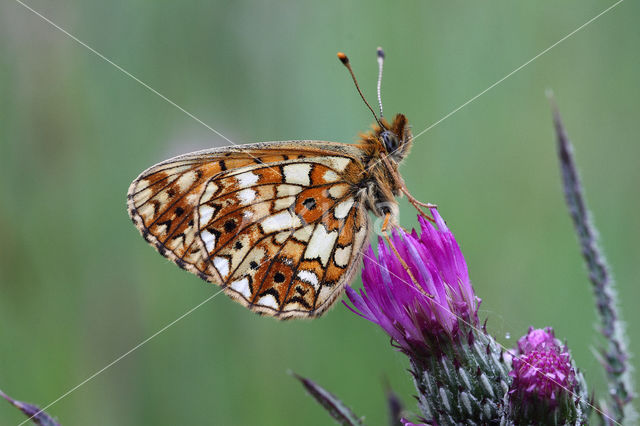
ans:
x=546 y=386
x=421 y=296
x=543 y=374
x=430 y=301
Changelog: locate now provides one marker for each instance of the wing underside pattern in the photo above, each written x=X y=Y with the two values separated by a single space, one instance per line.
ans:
x=281 y=233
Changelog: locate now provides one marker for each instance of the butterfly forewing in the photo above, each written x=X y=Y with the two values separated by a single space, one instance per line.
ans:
x=279 y=225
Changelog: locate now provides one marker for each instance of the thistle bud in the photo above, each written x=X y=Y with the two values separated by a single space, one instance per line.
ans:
x=547 y=387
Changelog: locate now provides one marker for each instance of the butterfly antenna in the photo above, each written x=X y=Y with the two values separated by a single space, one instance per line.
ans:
x=345 y=61
x=380 y=63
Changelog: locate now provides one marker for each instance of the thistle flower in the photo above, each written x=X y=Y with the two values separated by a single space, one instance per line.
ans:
x=417 y=309
x=546 y=387
x=431 y=314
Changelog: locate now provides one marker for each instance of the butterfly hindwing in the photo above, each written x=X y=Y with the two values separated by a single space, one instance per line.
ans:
x=279 y=226
x=161 y=204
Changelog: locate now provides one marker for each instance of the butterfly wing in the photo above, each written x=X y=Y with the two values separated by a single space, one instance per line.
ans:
x=279 y=225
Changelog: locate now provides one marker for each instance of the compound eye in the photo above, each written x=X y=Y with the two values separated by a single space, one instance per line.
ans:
x=390 y=141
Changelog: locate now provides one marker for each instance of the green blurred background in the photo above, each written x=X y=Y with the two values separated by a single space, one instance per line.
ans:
x=79 y=286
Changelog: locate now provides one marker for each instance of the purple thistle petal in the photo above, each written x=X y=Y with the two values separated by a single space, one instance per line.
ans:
x=538 y=339
x=435 y=299
x=406 y=422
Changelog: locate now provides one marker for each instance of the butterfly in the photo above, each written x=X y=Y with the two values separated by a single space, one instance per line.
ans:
x=279 y=225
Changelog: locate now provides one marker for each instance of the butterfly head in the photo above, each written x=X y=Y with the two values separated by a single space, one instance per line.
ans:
x=395 y=138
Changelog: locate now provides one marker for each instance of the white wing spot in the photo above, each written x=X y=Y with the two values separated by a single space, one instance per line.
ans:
x=147 y=211
x=342 y=256
x=222 y=265
x=280 y=221
x=286 y=190
x=246 y=196
x=342 y=209
x=309 y=277
x=283 y=203
x=206 y=212
x=143 y=195
x=268 y=301
x=330 y=176
x=281 y=237
x=339 y=163
x=161 y=197
x=336 y=163
x=186 y=180
x=247 y=179
x=297 y=173
x=208 y=192
x=174 y=243
x=303 y=234
x=337 y=191
x=209 y=240
x=242 y=287
x=321 y=244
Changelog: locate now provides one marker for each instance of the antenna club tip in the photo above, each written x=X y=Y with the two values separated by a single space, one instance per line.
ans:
x=343 y=58
x=380 y=52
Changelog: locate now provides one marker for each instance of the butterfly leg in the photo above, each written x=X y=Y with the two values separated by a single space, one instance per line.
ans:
x=385 y=225
x=403 y=187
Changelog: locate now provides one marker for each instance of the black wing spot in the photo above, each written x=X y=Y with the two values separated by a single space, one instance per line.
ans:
x=253 y=265
x=229 y=225
x=179 y=211
x=279 y=277
x=237 y=245
x=309 y=203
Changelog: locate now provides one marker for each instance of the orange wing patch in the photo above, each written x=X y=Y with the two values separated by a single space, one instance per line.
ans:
x=282 y=244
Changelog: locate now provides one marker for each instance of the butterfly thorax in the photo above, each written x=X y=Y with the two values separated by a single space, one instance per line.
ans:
x=385 y=147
